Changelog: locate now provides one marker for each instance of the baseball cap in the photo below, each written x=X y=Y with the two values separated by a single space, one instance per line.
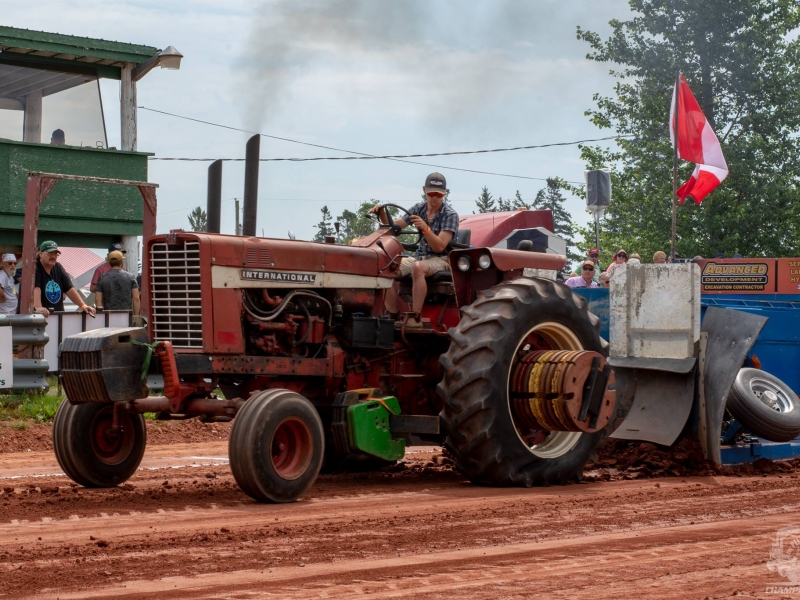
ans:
x=594 y=251
x=115 y=257
x=117 y=248
x=587 y=263
x=436 y=181
x=49 y=246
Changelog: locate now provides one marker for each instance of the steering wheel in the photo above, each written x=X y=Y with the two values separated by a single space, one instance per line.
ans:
x=397 y=232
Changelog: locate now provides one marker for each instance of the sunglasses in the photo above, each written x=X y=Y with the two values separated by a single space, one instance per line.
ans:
x=588 y=268
x=435 y=194
x=622 y=256
x=593 y=255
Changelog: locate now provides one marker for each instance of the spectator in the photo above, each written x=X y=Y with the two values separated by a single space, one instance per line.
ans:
x=719 y=255
x=620 y=258
x=659 y=258
x=8 y=299
x=585 y=279
x=58 y=138
x=737 y=255
x=635 y=259
x=605 y=280
x=117 y=289
x=594 y=256
x=105 y=267
x=52 y=282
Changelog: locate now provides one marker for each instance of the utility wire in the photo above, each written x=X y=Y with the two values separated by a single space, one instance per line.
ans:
x=364 y=156
x=325 y=200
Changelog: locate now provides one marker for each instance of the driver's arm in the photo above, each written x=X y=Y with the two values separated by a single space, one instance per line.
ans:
x=438 y=242
x=383 y=216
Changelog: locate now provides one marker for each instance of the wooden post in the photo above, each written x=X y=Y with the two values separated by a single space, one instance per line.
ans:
x=37 y=190
x=148 y=230
x=131 y=245
x=675 y=169
x=238 y=226
x=127 y=108
x=33 y=118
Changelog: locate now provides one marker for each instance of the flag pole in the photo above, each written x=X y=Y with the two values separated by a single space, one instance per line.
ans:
x=675 y=166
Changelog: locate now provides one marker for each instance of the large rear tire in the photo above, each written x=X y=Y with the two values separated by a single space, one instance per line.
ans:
x=276 y=446
x=482 y=436
x=89 y=452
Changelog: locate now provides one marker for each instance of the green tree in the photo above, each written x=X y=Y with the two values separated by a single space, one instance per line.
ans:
x=485 y=201
x=743 y=63
x=324 y=227
x=550 y=198
x=357 y=224
x=515 y=204
x=198 y=220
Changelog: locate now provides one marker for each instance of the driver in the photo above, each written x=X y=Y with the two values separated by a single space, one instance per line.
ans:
x=438 y=223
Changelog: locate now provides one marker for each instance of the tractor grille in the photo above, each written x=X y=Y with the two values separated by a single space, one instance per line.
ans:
x=258 y=257
x=175 y=293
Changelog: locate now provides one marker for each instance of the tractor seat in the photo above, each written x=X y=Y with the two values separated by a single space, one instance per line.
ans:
x=443 y=279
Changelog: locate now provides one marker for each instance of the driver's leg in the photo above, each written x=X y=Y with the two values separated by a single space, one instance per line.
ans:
x=390 y=299
x=419 y=272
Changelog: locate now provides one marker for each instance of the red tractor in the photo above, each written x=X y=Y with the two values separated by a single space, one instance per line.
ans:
x=509 y=372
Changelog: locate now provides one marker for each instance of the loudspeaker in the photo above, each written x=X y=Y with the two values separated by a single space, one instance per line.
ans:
x=598 y=190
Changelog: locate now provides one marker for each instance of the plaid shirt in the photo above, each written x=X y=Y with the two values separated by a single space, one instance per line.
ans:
x=444 y=220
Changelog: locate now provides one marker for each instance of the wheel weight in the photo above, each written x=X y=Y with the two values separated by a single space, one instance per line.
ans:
x=559 y=390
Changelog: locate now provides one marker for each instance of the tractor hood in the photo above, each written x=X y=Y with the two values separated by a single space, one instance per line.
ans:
x=262 y=262
x=489 y=229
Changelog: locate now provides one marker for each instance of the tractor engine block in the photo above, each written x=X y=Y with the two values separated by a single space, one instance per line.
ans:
x=291 y=324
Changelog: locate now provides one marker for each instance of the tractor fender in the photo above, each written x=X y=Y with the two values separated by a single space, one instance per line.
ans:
x=503 y=261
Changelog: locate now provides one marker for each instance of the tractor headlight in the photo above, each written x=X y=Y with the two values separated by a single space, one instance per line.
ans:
x=484 y=261
x=464 y=263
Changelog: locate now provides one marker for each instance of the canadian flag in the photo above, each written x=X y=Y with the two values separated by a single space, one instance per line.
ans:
x=697 y=143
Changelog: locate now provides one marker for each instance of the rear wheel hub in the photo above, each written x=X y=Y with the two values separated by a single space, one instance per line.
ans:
x=561 y=390
x=292 y=449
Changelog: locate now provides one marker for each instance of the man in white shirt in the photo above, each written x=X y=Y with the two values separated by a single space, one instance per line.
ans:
x=8 y=299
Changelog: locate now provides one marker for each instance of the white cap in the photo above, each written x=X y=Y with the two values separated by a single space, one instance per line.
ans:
x=9 y=258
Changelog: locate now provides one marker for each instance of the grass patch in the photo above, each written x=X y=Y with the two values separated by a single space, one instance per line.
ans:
x=38 y=406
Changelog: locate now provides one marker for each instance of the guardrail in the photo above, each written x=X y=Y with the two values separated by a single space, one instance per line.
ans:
x=28 y=331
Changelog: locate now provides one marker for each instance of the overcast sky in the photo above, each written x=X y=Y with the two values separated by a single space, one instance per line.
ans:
x=371 y=76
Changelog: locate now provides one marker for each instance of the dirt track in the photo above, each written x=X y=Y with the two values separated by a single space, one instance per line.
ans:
x=181 y=529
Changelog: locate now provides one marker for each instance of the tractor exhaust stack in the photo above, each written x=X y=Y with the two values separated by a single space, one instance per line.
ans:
x=250 y=209
x=214 y=202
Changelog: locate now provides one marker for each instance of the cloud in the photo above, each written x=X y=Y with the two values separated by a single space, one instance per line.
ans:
x=447 y=59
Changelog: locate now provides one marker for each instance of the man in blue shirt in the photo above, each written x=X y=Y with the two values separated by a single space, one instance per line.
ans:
x=52 y=283
x=438 y=223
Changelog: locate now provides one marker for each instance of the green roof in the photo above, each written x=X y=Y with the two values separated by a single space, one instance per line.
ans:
x=71 y=48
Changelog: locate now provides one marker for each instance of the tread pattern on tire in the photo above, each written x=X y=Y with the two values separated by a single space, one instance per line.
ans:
x=73 y=448
x=475 y=415
x=757 y=417
x=249 y=466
